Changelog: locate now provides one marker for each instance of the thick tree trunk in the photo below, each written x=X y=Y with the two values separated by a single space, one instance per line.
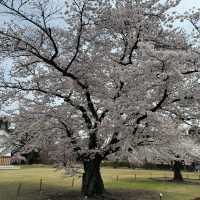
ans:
x=177 y=171
x=92 y=183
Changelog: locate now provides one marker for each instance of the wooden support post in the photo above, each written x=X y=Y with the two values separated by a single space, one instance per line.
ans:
x=73 y=182
x=40 y=185
x=187 y=176
x=117 y=178
x=19 y=190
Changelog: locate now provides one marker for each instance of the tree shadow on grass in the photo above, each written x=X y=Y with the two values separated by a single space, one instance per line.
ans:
x=185 y=181
x=113 y=194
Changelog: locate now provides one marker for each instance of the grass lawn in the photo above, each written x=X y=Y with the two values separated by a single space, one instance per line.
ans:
x=25 y=183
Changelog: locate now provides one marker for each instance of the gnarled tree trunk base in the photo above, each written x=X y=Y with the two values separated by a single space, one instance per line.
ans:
x=103 y=197
x=92 y=183
x=177 y=172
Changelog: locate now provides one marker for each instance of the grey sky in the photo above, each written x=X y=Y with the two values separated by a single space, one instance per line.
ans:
x=187 y=4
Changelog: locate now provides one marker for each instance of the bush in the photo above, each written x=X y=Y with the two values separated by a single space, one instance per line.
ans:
x=147 y=165
x=116 y=164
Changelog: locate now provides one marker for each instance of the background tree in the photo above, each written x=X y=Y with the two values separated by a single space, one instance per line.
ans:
x=103 y=77
x=178 y=149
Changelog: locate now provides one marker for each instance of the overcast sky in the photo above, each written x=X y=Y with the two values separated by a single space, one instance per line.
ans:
x=186 y=4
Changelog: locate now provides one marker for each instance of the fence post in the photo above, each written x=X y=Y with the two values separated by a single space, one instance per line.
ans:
x=73 y=182
x=165 y=177
x=117 y=178
x=18 y=190
x=187 y=176
x=40 y=184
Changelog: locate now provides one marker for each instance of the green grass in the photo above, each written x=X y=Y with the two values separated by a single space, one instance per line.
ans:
x=54 y=181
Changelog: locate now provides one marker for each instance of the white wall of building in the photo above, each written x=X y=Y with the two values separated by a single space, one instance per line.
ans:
x=3 y=138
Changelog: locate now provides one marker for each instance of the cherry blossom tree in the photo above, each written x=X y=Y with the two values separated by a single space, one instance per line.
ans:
x=180 y=149
x=98 y=76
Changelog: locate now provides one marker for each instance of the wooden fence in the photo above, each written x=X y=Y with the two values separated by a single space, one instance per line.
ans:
x=5 y=160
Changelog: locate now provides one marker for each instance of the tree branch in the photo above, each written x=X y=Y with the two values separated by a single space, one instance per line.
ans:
x=78 y=38
x=45 y=30
x=134 y=47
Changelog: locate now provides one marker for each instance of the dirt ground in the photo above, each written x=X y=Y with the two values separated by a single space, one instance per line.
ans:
x=113 y=195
